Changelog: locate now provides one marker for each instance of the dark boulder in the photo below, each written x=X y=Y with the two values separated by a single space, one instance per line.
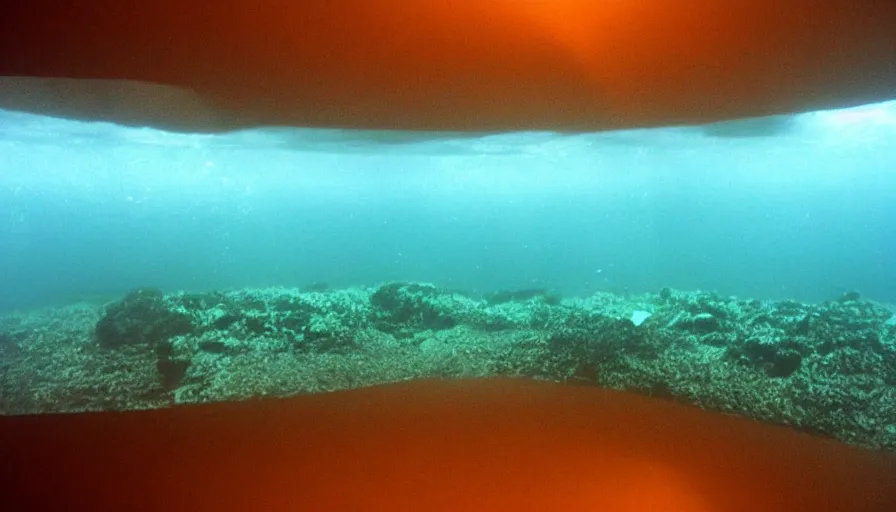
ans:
x=401 y=308
x=141 y=318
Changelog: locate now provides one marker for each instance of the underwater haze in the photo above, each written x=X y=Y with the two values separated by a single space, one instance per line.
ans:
x=800 y=207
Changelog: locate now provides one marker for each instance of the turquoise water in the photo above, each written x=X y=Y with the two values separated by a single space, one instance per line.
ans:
x=800 y=207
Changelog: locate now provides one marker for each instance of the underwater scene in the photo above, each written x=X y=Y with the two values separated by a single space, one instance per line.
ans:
x=745 y=267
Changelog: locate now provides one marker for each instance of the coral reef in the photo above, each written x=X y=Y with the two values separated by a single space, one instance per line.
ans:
x=827 y=368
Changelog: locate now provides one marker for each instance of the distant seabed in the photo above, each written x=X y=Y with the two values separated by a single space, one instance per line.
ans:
x=826 y=368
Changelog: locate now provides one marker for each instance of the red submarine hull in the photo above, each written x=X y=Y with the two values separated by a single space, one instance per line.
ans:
x=489 y=445
x=479 y=65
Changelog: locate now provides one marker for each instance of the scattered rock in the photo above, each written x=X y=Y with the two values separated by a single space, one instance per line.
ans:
x=141 y=318
x=850 y=296
x=403 y=307
x=317 y=286
x=171 y=369
x=527 y=294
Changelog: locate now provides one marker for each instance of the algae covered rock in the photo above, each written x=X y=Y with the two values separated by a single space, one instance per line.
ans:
x=172 y=366
x=522 y=295
x=400 y=307
x=142 y=317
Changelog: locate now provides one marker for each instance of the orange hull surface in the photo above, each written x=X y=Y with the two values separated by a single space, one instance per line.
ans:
x=471 y=64
x=478 y=445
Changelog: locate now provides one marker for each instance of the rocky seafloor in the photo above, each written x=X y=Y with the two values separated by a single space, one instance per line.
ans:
x=827 y=368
